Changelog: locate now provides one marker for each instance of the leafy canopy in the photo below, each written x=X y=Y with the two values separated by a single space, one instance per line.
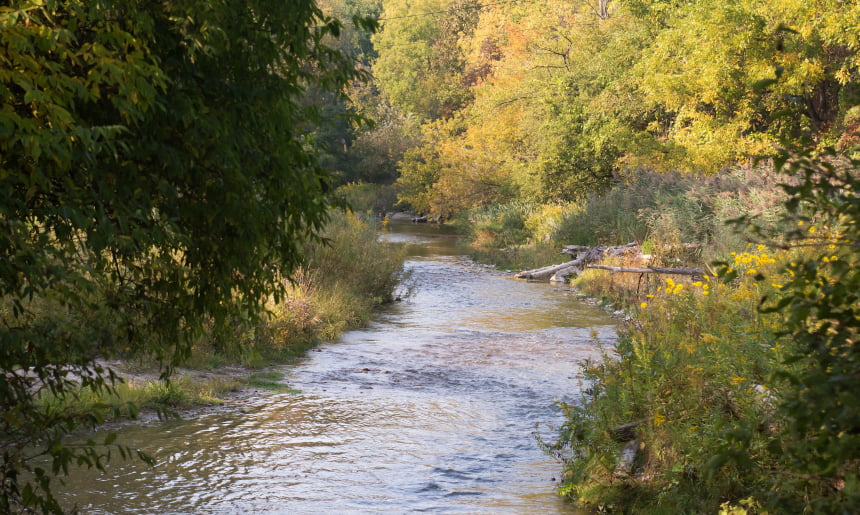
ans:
x=155 y=177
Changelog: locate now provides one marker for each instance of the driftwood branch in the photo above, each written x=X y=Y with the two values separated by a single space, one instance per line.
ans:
x=626 y=432
x=652 y=270
x=582 y=256
x=547 y=271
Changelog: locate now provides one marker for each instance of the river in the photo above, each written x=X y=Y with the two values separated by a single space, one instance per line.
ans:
x=432 y=408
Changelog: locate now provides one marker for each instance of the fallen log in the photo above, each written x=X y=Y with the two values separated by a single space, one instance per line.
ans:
x=582 y=256
x=544 y=272
x=651 y=270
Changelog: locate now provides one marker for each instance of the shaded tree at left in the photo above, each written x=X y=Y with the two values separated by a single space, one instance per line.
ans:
x=155 y=179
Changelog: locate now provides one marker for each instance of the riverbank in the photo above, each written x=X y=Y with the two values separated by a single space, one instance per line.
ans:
x=726 y=393
x=381 y=416
x=340 y=287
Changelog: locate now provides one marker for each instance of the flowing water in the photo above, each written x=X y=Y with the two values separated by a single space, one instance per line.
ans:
x=433 y=408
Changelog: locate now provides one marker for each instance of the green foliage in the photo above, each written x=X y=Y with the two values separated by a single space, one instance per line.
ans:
x=155 y=176
x=820 y=304
x=577 y=156
x=345 y=277
x=376 y=152
x=745 y=390
x=420 y=170
x=419 y=62
x=369 y=198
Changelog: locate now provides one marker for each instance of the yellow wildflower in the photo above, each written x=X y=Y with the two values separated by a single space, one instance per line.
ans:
x=709 y=338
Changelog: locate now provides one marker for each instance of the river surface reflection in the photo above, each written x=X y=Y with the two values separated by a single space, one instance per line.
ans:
x=432 y=408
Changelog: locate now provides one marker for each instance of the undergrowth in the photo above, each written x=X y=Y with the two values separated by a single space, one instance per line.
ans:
x=343 y=280
x=736 y=391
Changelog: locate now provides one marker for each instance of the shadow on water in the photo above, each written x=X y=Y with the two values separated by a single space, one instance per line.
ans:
x=433 y=407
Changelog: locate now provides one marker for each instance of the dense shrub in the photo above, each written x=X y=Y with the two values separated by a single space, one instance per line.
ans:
x=656 y=209
x=742 y=385
x=340 y=283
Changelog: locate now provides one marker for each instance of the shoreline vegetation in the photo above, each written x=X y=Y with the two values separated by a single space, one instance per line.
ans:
x=159 y=181
x=341 y=285
x=716 y=398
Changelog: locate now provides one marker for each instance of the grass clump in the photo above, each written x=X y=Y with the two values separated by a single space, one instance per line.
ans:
x=343 y=280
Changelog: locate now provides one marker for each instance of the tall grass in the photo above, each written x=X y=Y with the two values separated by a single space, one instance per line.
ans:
x=344 y=278
x=695 y=371
x=658 y=209
x=516 y=235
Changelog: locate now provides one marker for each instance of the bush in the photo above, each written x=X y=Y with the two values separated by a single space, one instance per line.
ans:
x=366 y=198
x=337 y=288
x=497 y=226
x=743 y=390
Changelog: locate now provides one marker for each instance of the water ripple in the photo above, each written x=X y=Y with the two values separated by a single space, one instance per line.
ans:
x=431 y=408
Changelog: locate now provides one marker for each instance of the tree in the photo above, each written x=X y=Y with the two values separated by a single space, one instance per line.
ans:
x=729 y=80
x=419 y=68
x=154 y=179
